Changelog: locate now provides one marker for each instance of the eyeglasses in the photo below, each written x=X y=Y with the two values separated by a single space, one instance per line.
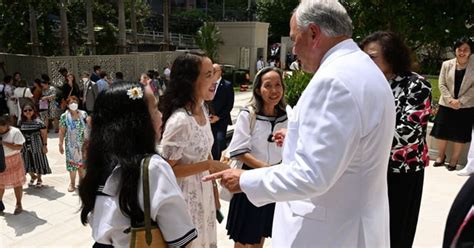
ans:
x=270 y=138
x=27 y=110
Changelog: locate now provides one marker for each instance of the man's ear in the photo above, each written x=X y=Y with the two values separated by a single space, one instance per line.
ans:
x=314 y=30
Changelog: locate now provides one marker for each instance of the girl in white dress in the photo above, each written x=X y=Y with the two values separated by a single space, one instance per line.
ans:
x=126 y=125
x=187 y=139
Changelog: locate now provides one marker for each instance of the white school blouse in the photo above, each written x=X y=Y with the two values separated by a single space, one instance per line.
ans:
x=256 y=141
x=167 y=208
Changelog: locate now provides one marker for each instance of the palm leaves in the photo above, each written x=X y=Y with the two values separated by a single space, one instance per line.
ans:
x=209 y=39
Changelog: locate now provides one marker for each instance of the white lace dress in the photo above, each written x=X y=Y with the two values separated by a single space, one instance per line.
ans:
x=188 y=142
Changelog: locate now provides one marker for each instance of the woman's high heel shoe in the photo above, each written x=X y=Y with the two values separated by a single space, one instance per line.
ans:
x=452 y=167
x=439 y=164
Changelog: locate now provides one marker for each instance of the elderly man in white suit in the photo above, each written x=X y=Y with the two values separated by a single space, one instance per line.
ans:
x=331 y=187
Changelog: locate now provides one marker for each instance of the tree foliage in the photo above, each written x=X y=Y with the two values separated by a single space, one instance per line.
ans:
x=208 y=38
x=427 y=26
x=15 y=36
x=278 y=14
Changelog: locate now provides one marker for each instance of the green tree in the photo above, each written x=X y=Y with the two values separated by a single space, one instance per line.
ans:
x=427 y=26
x=208 y=38
x=15 y=30
x=278 y=14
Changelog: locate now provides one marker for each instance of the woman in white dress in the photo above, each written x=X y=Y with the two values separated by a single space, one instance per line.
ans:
x=20 y=93
x=187 y=139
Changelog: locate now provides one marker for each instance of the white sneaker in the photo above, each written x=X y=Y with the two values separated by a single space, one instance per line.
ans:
x=465 y=172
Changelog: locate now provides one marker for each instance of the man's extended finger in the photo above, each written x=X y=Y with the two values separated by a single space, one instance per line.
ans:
x=215 y=176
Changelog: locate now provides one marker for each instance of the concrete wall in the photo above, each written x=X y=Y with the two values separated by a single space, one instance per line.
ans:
x=286 y=46
x=238 y=35
x=131 y=65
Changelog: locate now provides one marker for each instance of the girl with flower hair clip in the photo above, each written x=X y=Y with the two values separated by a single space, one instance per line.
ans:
x=125 y=127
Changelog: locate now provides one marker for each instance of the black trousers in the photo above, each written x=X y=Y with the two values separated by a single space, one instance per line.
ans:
x=219 y=131
x=404 y=195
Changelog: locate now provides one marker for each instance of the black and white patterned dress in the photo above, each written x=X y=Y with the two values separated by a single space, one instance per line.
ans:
x=32 y=152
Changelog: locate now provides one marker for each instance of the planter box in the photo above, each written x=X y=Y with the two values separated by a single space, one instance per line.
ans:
x=433 y=149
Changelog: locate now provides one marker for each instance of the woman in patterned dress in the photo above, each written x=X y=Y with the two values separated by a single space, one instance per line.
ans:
x=48 y=108
x=35 y=146
x=187 y=139
x=72 y=124
x=409 y=153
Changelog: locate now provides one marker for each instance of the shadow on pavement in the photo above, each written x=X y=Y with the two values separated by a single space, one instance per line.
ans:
x=47 y=192
x=25 y=222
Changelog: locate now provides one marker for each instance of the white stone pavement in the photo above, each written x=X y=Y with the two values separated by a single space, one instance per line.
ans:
x=51 y=218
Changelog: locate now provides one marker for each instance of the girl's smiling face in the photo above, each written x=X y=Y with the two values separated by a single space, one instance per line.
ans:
x=205 y=83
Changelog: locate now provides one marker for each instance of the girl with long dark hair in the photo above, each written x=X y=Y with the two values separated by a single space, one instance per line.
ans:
x=125 y=128
x=187 y=139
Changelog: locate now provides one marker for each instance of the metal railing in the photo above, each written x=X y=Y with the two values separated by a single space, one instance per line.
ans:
x=185 y=41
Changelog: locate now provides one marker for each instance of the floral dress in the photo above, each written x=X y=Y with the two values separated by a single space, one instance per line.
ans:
x=187 y=142
x=74 y=139
x=51 y=111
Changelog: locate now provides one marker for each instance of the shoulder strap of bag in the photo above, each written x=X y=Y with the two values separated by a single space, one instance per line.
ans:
x=24 y=91
x=253 y=118
x=70 y=92
x=146 y=199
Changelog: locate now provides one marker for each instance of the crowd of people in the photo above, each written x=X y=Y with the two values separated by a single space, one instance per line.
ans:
x=28 y=114
x=348 y=160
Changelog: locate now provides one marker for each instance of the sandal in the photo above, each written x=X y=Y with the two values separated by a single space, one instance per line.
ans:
x=39 y=184
x=71 y=188
x=18 y=210
x=32 y=181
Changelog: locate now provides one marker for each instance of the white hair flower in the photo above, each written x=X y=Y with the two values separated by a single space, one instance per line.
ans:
x=135 y=93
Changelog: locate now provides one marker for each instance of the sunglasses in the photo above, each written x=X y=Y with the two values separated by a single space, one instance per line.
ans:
x=27 y=110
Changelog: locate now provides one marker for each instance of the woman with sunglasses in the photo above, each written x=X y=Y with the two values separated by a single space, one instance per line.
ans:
x=35 y=146
x=247 y=224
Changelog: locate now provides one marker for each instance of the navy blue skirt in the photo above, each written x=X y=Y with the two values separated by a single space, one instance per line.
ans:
x=246 y=223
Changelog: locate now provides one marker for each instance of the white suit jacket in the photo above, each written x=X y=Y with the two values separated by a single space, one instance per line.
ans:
x=331 y=187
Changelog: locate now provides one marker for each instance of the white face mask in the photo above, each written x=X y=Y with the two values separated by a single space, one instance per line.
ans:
x=73 y=106
x=85 y=79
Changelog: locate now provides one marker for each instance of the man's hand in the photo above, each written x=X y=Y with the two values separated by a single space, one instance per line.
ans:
x=279 y=137
x=230 y=179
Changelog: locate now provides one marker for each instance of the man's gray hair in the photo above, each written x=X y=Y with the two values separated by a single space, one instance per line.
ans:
x=329 y=15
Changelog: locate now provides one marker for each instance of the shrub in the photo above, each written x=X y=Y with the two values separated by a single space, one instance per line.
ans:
x=295 y=83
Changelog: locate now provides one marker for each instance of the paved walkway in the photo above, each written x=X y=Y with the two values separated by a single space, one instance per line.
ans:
x=51 y=218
